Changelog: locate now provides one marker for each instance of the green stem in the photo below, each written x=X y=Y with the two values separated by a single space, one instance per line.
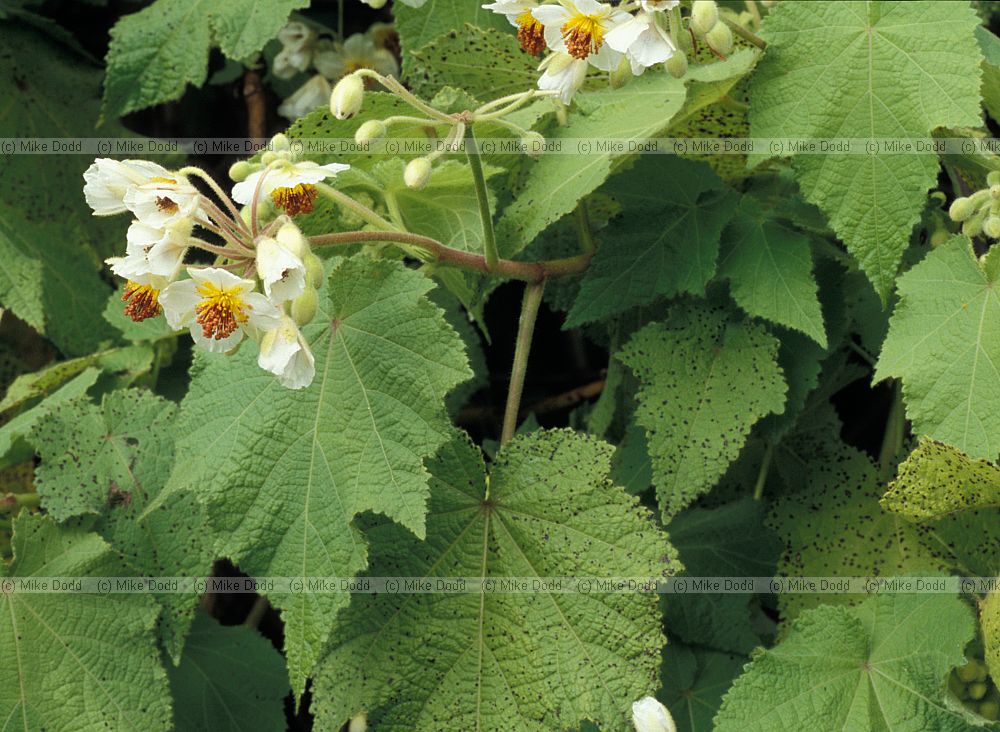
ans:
x=13 y=502
x=525 y=331
x=583 y=231
x=751 y=6
x=345 y=201
x=746 y=35
x=257 y=612
x=765 y=466
x=433 y=250
x=895 y=433
x=483 y=196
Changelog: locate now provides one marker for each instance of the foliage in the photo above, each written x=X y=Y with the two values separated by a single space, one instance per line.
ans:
x=426 y=509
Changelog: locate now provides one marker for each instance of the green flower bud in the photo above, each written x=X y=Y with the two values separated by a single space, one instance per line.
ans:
x=533 y=143
x=314 y=269
x=989 y=621
x=989 y=710
x=345 y=101
x=993 y=178
x=940 y=237
x=977 y=690
x=291 y=238
x=304 y=306
x=973 y=226
x=720 y=38
x=991 y=227
x=677 y=64
x=621 y=75
x=418 y=172
x=280 y=142
x=961 y=209
x=268 y=157
x=370 y=131
x=704 y=16
x=359 y=722
x=239 y=171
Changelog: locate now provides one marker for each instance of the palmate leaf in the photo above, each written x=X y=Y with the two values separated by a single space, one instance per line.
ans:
x=694 y=682
x=938 y=479
x=230 y=679
x=770 y=268
x=833 y=526
x=285 y=472
x=944 y=343
x=867 y=70
x=505 y=661
x=156 y=52
x=705 y=379
x=664 y=242
x=73 y=660
x=878 y=666
x=111 y=461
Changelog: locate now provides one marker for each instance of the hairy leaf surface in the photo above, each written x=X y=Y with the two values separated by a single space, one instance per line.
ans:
x=284 y=472
x=501 y=661
x=867 y=71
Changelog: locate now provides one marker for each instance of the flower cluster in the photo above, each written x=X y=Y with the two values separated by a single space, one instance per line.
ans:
x=583 y=33
x=980 y=211
x=220 y=303
x=303 y=48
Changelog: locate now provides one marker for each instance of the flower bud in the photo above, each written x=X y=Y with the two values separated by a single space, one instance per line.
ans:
x=417 y=173
x=974 y=226
x=720 y=38
x=239 y=171
x=345 y=101
x=677 y=64
x=377 y=5
x=704 y=16
x=533 y=143
x=280 y=142
x=314 y=270
x=268 y=157
x=621 y=75
x=993 y=178
x=359 y=722
x=649 y=715
x=961 y=209
x=291 y=238
x=304 y=306
x=991 y=227
x=370 y=131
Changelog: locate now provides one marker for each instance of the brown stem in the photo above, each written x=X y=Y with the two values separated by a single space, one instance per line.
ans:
x=253 y=96
x=531 y=272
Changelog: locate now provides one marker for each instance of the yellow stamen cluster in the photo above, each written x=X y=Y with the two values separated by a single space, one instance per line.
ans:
x=221 y=310
x=298 y=200
x=530 y=33
x=142 y=301
x=583 y=35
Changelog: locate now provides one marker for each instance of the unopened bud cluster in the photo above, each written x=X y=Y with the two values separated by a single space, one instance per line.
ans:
x=706 y=24
x=979 y=213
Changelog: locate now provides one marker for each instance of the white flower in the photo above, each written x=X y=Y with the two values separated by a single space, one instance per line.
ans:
x=297 y=41
x=563 y=73
x=281 y=271
x=218 y=307
x=643 y=40
x=164 y=200
x=578 y=27
x=292 y=186
x=162 y=250
x=285 y=353
x=359 y=51
x=314 y=93
x=658 y=6
x=649 y=715
x=108 y=180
